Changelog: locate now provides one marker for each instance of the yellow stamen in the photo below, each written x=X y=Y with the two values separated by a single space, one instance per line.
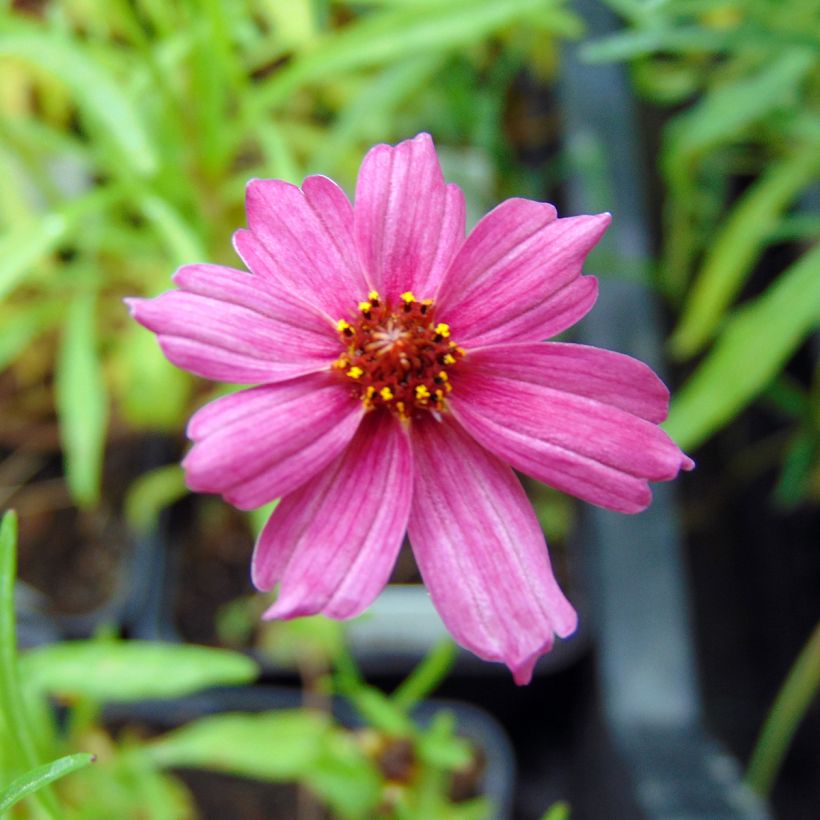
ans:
x=386 y=393
x=341 y=363
x=400 y=408
x=442 y=329
x=442 y=375
x=342 y=326
x=448 y=359
x=408 y=297
x=355 y=372
x=373 y=296
x=422 y=393
x=364 y=307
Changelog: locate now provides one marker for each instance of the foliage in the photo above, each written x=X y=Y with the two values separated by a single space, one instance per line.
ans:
x=741 y=164
x=392 y=763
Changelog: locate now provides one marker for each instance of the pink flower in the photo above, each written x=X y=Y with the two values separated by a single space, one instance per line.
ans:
x=402 y=377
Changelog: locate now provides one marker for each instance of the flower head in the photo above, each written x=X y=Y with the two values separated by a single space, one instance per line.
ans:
x=402 y=374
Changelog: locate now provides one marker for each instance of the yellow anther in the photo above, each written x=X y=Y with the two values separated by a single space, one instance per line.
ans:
x=408 y=297
x=440 y=395
x=364 y=307
x=448 y=359
x=342 y=326
x=401 y=409
x=442 y=329
x=427 y=302
x=373 y=296
x=355 y=372
x=386 y=393
x=341 y=363
x=442 y=375
x=370 y=392
x=422 y=393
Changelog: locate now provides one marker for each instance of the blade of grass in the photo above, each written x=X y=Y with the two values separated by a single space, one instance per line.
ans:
x=736 y=245
x=798 y=691
x=82 y=401
x=98 y=94
x=21 y=250
x=17 y=735
x=37 y=778
x=756 y=341
x=389 y=36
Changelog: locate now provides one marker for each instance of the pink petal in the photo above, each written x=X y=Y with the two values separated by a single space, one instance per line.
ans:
x=226 y=325
x=333 y=542
x=581 y=446
x=263 y=443
x=302 y=240
x=607 y=377
x=516 y=277
x=481 y=552
x=409 y=223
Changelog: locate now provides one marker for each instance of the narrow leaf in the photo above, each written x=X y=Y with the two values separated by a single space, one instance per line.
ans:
x=729 y=109
x=82 y=401
x=271 y=746
x=737 y=244
x=35 y=779
x=98 y=94
x=132 y=670
x=755 y=343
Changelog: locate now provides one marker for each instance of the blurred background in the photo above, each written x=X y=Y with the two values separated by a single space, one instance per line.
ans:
x=128 y=129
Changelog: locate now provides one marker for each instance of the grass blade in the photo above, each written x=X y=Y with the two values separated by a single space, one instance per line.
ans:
x=82 y=401
x=737 y=244
x=757 y=340
x=34 y=780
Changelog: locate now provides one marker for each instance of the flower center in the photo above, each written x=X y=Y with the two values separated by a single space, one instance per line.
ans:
x=398 y=356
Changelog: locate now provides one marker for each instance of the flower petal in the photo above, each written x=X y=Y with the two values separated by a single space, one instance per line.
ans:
x=481 y=552
x=263 y=443
x=333 y=542
x=409 y=223
x=576 y=444
x=226 y=325
x=306 y=238
x=608 y=377
x=515 y=278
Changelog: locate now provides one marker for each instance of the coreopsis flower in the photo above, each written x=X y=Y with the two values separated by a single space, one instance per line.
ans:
x=402 y=375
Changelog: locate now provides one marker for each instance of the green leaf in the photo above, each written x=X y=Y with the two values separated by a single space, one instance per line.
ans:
x=269 y=746
x=345 y=777
x=755 y=343
x=438 y=745
x=289 y=745
x=17 y=737
x=22 y=249
x=738 y=243
x=151 y=493
x=729 y=109
x=557 y=811
x=35 y=779
x=389 y=36
x=82 y=401
x=789 y=709
x=98 y=94
x=132 y=670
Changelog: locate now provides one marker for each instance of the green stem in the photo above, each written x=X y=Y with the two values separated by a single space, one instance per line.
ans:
x=788 y=710
x=426 y=676
x=11 y=697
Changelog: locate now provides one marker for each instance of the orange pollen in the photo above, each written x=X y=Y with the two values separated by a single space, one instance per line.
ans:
x=398 y=356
